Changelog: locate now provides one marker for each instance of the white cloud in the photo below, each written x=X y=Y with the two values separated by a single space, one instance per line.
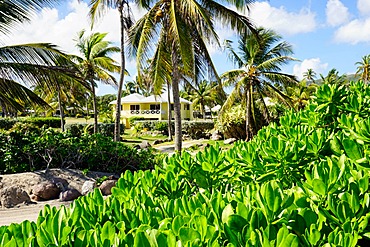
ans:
x=364 y=7
x=313 y=63
x=336 y=13
x=282 y=21
x=354 y=32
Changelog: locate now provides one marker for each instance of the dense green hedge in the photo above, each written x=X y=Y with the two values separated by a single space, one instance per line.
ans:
x=105 y=129
x=302 y=182
x=195 y=129
x=30 y=149
x=50 y=122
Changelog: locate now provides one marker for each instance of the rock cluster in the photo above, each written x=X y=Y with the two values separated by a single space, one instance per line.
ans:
x=56 y=188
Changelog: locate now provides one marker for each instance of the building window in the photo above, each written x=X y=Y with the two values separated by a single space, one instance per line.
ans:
x=155 y=107
x=172 y=107
x=121 y=107
x=134 y=107
x=187 y=107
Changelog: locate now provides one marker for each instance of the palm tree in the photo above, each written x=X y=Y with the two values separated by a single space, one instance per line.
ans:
x=202 y=94
x=259 y=60
x=29 y=63
x=333 y=77
x=363 y=68
x=97 y=9
x=179 y=31
x=300 y=94
x=310 y=75
x=96 y=63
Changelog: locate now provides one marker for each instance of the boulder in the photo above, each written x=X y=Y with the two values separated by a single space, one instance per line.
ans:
x=12 y=196
x=144 y=145
x=156 y=142
x=230 y=141
x=216 y=135
x=87 y=187
x=107 y=186
x=69 y=195
x=46 y=190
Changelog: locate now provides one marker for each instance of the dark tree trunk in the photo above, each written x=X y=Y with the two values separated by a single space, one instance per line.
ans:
x=248 y=113
x=176 y=98
x=117 y=122
x=169 y=114
x=94 y=108
x=61 y=110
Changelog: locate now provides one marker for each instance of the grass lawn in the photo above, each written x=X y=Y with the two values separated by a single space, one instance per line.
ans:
x=133 y=140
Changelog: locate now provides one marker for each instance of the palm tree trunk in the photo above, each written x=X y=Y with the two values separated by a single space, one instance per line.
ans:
x=94 y=108
x=203 y=111
x=117 y=122
x=248 y=113
x=169 y=114
x=176 y=99
x=61 y=111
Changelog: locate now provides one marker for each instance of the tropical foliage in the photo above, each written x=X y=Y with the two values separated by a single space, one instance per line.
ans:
x=259 y=60
x=304 y=182
x=177 y=32
x=96 y=64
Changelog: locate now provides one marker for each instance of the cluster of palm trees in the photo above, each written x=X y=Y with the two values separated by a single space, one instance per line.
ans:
x=170 y=45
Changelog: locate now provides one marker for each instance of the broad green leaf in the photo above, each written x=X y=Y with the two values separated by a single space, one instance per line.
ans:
x=319 y=186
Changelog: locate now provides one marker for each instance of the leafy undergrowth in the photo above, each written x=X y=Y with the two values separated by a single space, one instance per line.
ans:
x=304 y=182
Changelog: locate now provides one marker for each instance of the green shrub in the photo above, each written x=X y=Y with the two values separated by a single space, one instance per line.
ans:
x=7 y=123
x=49 y=122
x=84 y=128
x=302 y=182
x=197 y=129
x=132 y=120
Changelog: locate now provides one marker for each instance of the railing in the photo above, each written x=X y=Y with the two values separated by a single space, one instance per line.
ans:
x=139 y=112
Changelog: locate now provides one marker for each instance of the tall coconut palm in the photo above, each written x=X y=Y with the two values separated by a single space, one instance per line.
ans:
x=300 y=94
x=96 y=63
x=97 y=9
x=310 y=75
x=259 y=61
x=178 y=31
x=202 y=94
x=363 y=68
x=333 y=77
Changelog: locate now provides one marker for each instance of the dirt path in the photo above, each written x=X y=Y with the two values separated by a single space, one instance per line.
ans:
x=26 y=212
x=170 y=148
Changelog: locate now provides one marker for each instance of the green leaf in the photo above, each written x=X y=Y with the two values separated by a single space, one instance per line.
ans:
x=319 y=186
x=141 y=240
x=187 y=234
x=228 y=210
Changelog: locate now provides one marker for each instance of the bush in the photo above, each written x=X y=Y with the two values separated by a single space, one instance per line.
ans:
x=195 y=129
x=7 y=123
x=105 y=129
x=23 y=151
x=198 y=129
x=302 y=182
x=232 y=123
x=49 y=122
x=132 y=120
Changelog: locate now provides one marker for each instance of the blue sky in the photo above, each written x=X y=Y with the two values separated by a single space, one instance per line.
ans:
x=324 y=34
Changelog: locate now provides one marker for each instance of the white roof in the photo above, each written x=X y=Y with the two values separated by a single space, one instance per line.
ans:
x=137 y=98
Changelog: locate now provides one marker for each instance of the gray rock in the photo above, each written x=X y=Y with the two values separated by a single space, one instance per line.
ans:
x=46 y=191
x=12 y=196
x=216 y=135
x=144 y=145
x=107 y=186
x=155 y=142
x=87 y=187
x=69 y=195
x=230 y=141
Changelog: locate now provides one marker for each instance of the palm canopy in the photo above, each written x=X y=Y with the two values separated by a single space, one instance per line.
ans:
x=174 y=35
x=96 y=63
x=30 y=64
x=259 y=60
x=190 y=25
x=363 y=68
x=13 y=12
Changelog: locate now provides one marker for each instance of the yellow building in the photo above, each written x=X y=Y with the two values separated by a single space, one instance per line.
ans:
x=150 y=108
